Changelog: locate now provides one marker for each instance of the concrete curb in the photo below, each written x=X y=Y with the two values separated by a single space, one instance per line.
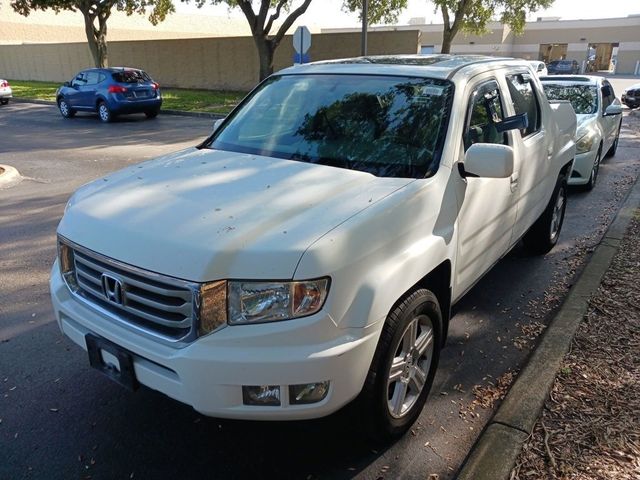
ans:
x=495 y=453
x=181 y=113
x=9 y=176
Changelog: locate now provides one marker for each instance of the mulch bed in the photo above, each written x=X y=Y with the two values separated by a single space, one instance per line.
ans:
x=590 y=426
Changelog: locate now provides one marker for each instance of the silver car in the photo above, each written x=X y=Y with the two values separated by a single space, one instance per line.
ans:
x=599 y=115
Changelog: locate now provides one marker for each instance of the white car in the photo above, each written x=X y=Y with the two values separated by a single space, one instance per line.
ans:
x=599 y=115
x=539 y=67
x=308 y=253
x=5 y=92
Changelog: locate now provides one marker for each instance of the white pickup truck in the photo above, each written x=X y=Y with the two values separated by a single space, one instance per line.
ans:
x=307 y=254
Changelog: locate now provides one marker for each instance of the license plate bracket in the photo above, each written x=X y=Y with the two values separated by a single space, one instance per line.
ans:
x=124 y=374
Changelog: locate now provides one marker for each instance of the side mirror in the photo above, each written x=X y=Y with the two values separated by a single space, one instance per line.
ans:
x=66 y=84
x=613 y=109
x=216 y=124
x=488 y=160
x=517 y=122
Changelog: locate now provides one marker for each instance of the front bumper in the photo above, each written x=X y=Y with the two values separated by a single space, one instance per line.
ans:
x=209 y=373
x=582 y=167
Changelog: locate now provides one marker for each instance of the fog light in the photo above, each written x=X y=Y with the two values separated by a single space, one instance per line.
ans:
x=268 y=395
x=308 y=393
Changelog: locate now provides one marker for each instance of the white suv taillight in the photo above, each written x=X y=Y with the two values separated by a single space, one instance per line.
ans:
x=4 y=84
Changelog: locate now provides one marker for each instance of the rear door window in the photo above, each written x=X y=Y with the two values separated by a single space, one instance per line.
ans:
x=92 y=78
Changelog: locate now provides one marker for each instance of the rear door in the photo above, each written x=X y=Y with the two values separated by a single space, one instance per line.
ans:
x=488 y=206
x=532 y=146
x=610 y=123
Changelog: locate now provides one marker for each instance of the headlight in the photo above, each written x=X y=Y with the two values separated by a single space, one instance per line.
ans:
x=258 y=302
x=585 y=142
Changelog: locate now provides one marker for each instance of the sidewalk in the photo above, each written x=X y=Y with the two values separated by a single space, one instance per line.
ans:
x=590 y=426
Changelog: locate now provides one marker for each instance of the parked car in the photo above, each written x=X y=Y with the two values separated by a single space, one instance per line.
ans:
x=563 y=67
x=539 y=67
x=5 y=92
x=631 y=96
x=599 y=115
x=307 y=254
x=110 y=92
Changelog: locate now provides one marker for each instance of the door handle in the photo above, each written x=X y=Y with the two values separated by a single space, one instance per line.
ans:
x=514 y=181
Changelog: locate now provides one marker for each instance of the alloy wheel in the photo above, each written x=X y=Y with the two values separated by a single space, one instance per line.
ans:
x=410 y=366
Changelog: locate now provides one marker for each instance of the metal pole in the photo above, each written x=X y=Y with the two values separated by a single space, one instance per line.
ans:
x=365 y=8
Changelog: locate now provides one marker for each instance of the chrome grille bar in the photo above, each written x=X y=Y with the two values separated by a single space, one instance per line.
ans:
x=156 y=304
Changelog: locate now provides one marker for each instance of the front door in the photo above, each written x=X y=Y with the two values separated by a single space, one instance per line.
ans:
x=488 y=205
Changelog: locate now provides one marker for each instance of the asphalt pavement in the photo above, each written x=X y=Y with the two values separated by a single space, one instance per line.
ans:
x=61 y=419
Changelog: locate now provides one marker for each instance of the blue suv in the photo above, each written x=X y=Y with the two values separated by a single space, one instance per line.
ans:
x=110 y=92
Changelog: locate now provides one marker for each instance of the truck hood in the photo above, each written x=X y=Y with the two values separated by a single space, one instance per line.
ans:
x=203 y=215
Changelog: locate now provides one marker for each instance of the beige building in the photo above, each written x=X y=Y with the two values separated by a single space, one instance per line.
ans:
x=604 y=44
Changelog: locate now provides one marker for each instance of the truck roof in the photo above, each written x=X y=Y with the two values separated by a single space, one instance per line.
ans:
x=443 y=66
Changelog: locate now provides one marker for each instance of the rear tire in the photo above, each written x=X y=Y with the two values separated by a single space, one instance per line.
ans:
x=65 y=110
x=104 y=113
x=403 y=367
x=543 y=234
x=152 y=113
x=4 y=101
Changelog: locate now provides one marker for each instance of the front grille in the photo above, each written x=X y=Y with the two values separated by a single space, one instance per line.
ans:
x=633 y=93
x=163 y=306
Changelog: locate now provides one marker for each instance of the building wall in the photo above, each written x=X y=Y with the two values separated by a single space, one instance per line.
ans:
x=210 y=63
x=576 y=34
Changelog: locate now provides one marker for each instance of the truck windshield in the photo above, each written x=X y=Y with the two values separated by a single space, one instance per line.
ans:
x=583 y=98
x=387 y=126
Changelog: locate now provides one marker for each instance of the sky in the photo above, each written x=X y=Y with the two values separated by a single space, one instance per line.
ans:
x=328 y=13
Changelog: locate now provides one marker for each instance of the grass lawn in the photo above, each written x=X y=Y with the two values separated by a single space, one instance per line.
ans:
x=212 y=101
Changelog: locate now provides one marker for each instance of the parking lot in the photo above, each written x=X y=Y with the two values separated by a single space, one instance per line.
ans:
x=61 y=419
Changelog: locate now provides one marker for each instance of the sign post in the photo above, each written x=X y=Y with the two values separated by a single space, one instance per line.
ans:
x=301 y=44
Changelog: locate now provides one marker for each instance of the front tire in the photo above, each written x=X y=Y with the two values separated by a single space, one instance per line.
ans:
x=104 y=113
x=594 y=172
x=614 y=146
x=543 y=234
x=403 y=367
x=65 y=110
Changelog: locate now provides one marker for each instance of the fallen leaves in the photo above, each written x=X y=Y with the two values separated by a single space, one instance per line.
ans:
x=590 y=428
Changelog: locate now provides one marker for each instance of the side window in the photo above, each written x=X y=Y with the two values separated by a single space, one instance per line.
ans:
x=525 y=101
x=485 y=111
x=92 y=78
x=608 y=96
x=79 y=81
x=101 y=77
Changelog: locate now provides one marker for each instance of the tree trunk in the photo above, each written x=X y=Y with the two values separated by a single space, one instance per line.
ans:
x=265 y=53
x=447 y=38
x=97 y=38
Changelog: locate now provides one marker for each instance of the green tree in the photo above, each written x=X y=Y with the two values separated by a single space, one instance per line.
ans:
x=262 y=21
x=378 y=11
x=472 y=16
x=96 y=13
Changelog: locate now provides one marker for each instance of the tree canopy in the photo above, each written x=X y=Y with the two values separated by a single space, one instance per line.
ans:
x=472 y=16
x=378 y=11
x=96 y=13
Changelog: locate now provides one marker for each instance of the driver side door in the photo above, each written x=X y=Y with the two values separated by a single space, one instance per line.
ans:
x=489 y=205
